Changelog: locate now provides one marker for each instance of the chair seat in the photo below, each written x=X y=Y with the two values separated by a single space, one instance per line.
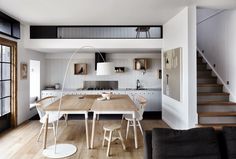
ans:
x=111 y=127
x=130 y=117
x=53 y=116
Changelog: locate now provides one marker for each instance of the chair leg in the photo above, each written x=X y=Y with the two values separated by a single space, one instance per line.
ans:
x=122 y=119
x=40 y=132
x=103 y=141
x=54 y=128
x=140 y=127
x=127 y=130
x=97 y=117
x=149 y=34
x=66 y=118
x=109 y=143
x=121 y=138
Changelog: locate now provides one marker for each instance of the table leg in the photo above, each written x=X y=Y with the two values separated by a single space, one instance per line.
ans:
x=86 y=129
x=45 y=133
x=93 y=129
x=135 y=131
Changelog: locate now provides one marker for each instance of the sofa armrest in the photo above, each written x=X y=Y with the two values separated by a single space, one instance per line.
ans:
x=147 y=144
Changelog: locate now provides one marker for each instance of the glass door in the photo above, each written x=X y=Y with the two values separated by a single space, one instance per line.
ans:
x=7 y=85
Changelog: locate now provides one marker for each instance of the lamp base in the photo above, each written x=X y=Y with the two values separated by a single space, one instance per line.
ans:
x=62 y=150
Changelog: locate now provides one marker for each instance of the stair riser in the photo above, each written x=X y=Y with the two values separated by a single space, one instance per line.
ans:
x=199 y=59
x=204 y=73
x=217 y=120
x=212 y=98
x=201 y=68
x=216 y=108
x=207 y=80
x=210 y=89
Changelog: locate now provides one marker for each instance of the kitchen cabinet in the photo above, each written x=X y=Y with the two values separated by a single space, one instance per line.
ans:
x=140 y=64
x=153 y=98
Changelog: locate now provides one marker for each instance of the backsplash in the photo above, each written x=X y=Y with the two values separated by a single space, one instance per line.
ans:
x=56 y=65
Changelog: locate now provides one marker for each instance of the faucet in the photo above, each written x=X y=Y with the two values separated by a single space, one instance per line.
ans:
x=138 y=85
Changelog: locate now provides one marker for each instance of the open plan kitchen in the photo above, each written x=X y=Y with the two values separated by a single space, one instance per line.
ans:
x=87 y=79
x=131 y=81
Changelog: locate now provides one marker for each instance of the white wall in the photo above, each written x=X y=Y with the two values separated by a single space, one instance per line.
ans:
x=56 y=64
x=23 y=55
x=217 y=37
x=179 y=32
x=205 y=13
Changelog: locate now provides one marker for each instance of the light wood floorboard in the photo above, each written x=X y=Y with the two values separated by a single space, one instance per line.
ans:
x=21 y=142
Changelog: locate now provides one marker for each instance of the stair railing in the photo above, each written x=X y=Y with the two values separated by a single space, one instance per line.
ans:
x=233 y=97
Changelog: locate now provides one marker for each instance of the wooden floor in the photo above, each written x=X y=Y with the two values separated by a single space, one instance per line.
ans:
x=21 y=143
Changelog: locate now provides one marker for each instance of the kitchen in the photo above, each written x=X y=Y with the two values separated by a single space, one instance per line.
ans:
x=130 y=81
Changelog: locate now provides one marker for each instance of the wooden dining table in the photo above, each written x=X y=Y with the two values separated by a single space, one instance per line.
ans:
x=76 y=104
x=118 y=104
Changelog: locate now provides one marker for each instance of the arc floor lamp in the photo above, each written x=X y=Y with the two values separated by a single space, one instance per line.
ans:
x=64 y=150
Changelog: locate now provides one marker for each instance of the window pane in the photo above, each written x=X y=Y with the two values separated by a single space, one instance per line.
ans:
x=6 y=106
x=6 y=88
x=6 y=54
x=0 y=107
x=0 y=71
x=6 y=71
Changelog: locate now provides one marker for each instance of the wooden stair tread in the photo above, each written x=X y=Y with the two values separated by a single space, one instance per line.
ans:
x=204 y=77
x=209 y=85
x=213 y=94
x=215 y=114
x=206 y=70
x=215 y=126
x=208 y=76
x=216 y=103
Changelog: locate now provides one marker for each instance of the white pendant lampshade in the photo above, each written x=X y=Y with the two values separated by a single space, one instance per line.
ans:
x=105 y=68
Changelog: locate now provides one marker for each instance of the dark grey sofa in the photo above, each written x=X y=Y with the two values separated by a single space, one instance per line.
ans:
x=197 y=143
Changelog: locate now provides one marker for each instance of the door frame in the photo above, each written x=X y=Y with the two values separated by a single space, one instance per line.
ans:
x=13 y=107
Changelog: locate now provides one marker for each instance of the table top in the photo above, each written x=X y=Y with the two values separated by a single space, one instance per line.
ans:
x=73 y=103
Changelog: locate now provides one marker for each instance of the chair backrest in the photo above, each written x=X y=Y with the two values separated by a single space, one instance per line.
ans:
x=141 y=104
x=43 y=103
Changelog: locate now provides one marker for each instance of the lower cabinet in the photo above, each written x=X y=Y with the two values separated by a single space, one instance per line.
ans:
x=153 y=98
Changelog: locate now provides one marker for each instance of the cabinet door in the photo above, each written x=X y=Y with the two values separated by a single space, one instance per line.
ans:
x=154 y=101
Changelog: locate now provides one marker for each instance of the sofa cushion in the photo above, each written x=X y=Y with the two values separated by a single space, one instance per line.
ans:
x=230 y=139
x=147 y=144
x=197 y=143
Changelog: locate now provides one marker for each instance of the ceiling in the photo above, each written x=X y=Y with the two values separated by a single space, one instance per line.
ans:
x=102 y=12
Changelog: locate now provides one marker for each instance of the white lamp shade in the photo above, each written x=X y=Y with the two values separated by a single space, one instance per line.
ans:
x=105 y=68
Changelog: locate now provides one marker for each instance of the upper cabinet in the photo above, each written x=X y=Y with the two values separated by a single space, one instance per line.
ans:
x=140 y=64
x=9 y=26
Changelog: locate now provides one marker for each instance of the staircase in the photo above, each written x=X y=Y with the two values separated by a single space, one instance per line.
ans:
x=214 y=107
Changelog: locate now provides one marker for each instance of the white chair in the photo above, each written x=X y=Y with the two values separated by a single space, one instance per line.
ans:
x=141 y=103
x=52 y=117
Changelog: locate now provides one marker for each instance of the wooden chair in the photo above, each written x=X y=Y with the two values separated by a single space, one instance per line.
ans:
x=141 y=103
x=112 y=128
x=52 y=118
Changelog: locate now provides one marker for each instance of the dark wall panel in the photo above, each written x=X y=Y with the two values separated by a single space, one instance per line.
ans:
x=41 y=32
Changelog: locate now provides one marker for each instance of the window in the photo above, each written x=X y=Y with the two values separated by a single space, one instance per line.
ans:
x=5 y=79
x=34 y=80
x=8 y=84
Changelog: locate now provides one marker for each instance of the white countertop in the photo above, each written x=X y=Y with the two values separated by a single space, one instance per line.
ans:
x=121 y=89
